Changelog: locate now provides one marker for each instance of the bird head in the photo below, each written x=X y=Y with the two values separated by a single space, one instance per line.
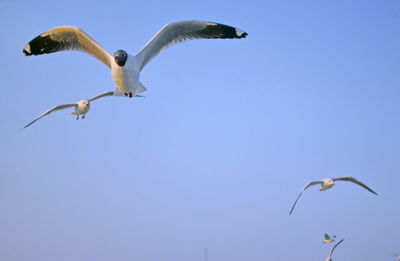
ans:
x=120 y=57
x=84 y=103
x=328 y=181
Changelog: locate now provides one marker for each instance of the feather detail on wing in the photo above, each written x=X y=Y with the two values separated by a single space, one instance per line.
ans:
x=64 y=38
x=111 y=93
x=55 y=108
x=351 y=179
x=305 y=187
x=178 y=32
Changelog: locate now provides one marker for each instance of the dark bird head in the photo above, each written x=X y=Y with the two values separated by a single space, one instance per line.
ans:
x=120 y=57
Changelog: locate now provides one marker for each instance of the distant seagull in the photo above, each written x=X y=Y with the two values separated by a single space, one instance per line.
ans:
x=125 y=69
x=328 y=239
x=397 y=256
x=328 y=183
x=81 y=107
x=329 y=258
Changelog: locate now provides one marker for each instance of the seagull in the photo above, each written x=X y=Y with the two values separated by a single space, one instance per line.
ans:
x=397 y=256
x=328 y=239
x=332 y=249
x=328 y=183
x=81 y=107
x=126 y=68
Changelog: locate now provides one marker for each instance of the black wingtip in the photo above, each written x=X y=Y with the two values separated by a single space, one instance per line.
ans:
x=370 y=190
x=222 y=31
x=26 y=52
x=41 y=45
x=244 y=35
x=26 y=126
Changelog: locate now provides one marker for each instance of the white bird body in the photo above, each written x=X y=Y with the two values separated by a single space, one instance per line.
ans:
x=126 y=77
x=125 y=69
x=81 y=108
x=326 y=184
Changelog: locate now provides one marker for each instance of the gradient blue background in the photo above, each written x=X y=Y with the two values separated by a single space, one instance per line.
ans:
x=215 y=154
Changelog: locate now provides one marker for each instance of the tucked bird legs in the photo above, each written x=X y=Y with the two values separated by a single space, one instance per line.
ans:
x=81 y=108
x=328 y=183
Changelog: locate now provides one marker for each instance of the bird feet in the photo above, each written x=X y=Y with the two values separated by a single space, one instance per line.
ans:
x=130 y=95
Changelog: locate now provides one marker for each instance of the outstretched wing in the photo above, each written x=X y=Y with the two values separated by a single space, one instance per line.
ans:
x=356 y=182
x=178 y=32
x=111 y=93
x=333 y=248
x=305 y=187
x=56 y=108
x=64 y=38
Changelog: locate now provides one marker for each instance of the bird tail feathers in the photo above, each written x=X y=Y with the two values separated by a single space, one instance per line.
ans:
x=140 y=88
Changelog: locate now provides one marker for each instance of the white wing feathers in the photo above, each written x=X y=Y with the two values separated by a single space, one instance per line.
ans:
x=55 y=108
x=64 y=38
x=356 y=181
x=305 y=187
x=178 y=32
x=111 y=93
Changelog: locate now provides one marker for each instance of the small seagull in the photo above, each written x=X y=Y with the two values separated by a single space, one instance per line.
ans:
x=332 y=249
x=125 y=69
x=328 y=239
x=397 y=256
x=81 y=107
x=328 y=183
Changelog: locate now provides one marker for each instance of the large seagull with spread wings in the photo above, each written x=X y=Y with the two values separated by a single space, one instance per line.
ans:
x=126 y=68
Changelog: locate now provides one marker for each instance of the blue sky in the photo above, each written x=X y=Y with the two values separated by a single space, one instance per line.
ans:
x=215 y=154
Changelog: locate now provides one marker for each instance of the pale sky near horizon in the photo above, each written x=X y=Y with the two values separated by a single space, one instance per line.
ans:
x=216 y=153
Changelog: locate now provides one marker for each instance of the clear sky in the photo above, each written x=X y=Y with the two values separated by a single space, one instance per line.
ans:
x=215 y=154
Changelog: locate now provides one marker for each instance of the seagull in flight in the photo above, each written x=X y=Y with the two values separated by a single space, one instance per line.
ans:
x=126 y=68
x=328 y=183
x=81 y=107
x=328 y=239
x=397 y=256
x=329 y=258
